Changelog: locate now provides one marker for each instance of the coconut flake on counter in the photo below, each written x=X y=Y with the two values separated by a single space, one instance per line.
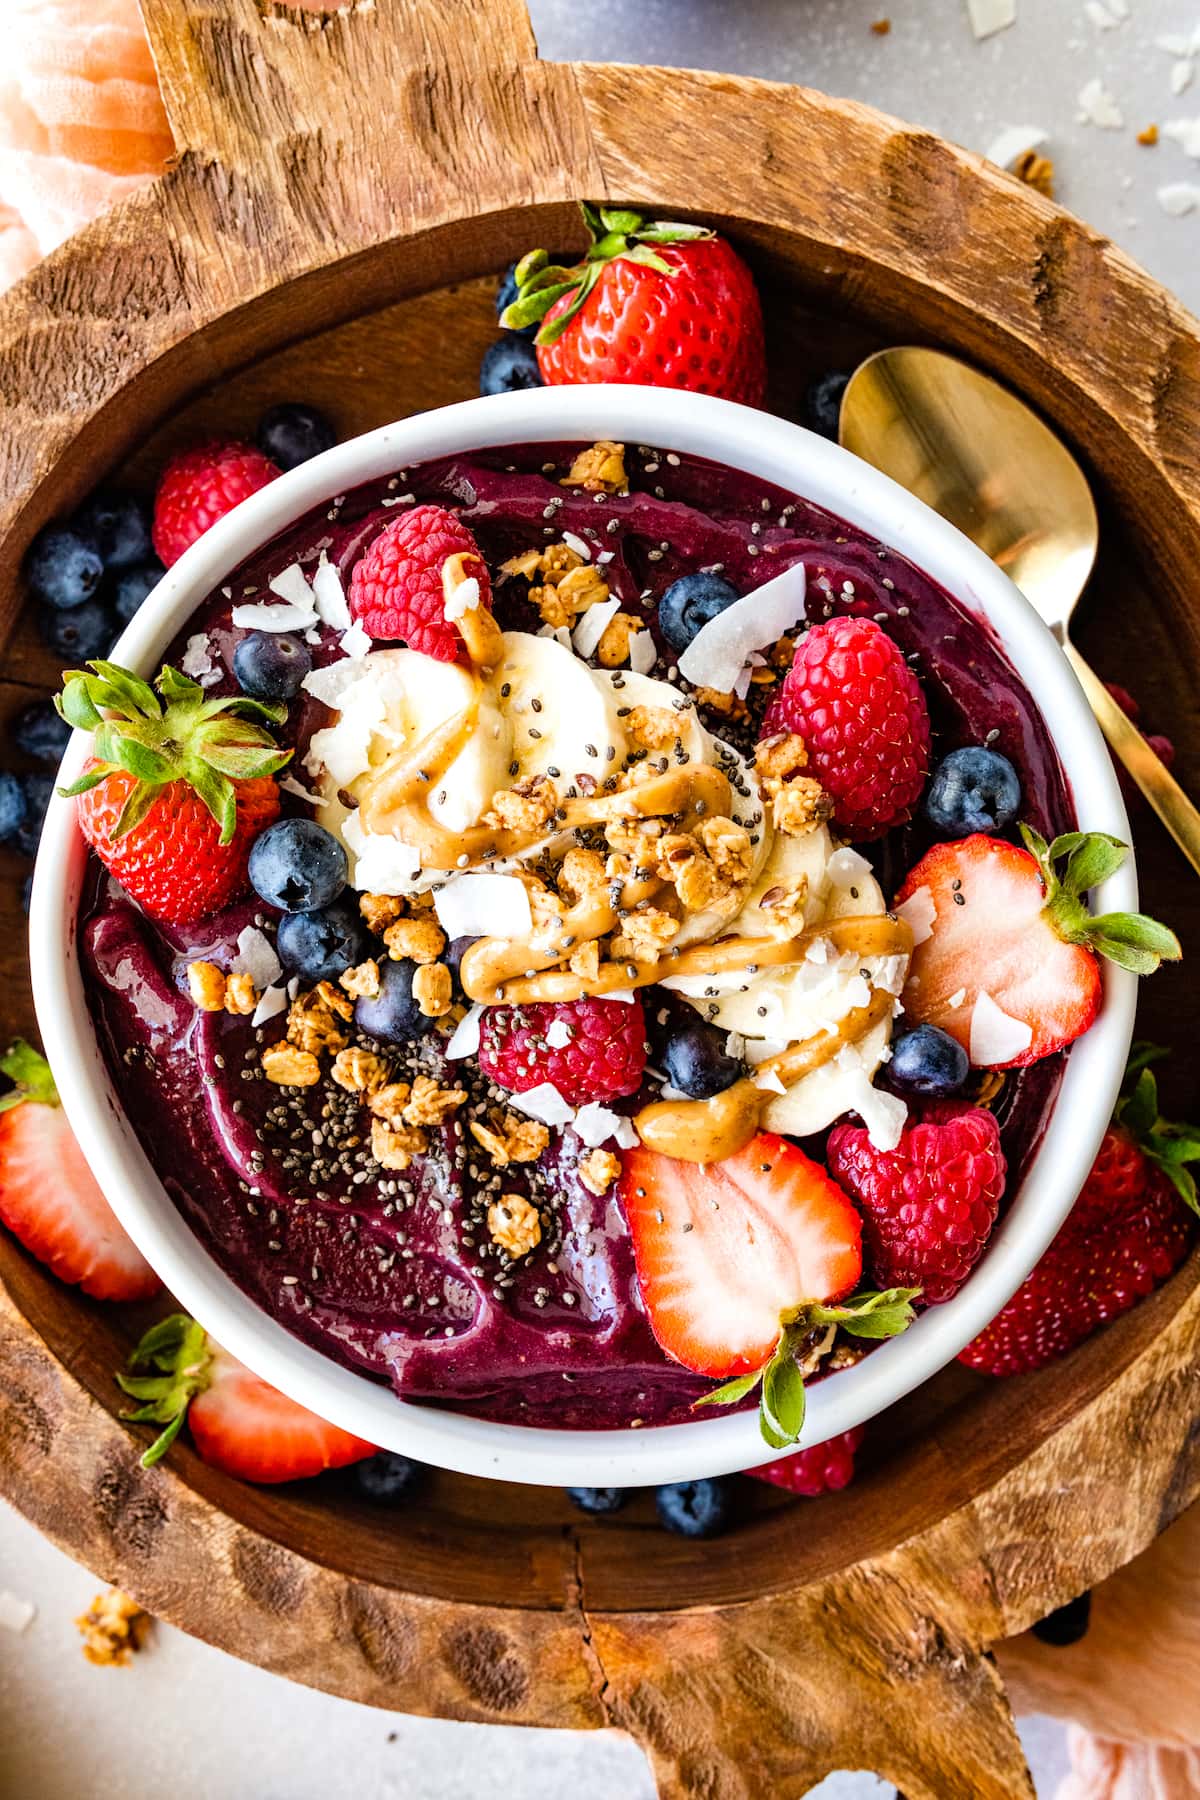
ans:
x=329 y=596
x=1185 y=133
x=996 y=1037
x=544 y=1102
x=256 y=957
x=464 y=1040
x=1013 y=142
x=16 y=1614
x=1181 y=77
x=919 y=914
x=593 y=625
x=480 y=904
x=1178 y=198
x=596 y=1124
x=272 y=1002
x=719 y=651
x=382 y=864
x=355 y=643
x=987 y=17
x=643 y=652
x=1097 y=106
x=1106 y=15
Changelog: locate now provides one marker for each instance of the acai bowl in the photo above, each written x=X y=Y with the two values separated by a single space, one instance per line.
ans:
x=527 y=1371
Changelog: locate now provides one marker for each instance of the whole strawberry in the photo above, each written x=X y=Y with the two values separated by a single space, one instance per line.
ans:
x=859 y=708
x=396 y=588
x=179 y=786
x=929 y=1205
x=587 y=1049
x=653 y=302
x=821 y=1469
x=200 y=486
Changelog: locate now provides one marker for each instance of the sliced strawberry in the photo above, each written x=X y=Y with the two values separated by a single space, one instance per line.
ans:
x=737 y=1262
x=1009 y=928
x=238 y=1422
x=49 y=1198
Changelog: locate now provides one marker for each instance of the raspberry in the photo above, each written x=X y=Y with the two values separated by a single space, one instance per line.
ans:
x=856 y=703
x=930 y=1204
x=396 y=587
x=200 y=486
x=602 y=1059
x=1089 y=1275
x=821 y=1469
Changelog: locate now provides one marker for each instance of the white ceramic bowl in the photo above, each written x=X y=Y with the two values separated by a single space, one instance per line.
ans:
x=799 y=462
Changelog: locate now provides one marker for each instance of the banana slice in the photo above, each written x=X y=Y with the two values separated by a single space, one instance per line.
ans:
x=559 y=718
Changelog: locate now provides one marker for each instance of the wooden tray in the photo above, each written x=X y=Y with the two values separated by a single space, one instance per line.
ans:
x=346 y=186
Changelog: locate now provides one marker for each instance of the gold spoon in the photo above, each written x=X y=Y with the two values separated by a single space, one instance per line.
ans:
x=981 y=458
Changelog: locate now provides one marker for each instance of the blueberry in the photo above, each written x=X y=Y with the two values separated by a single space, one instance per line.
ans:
x=1066 y=1624
x=393 y=1015
x=387 y=1478
x=119 y=526
x=41 y=733
x=80 y=634
x=823 y=402
x=972 y=790
x=297 y=866
x=690 y=603
x=598 y=1500
x=26 y=894
x=508 y=364
x=928 y=1060
x=270 y=665
x=131 y=587
x=320 y=946
x=452 y=956
x=12 y=805
x=694 y=1061
x=697 y=1509
x=291 y=433
x=38 y=792
x=63 y=567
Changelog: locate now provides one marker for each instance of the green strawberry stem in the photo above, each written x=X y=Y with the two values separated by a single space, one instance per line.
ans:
x=614 y=232
x=210 y=744
x=782 y=1401
x=176 y=1349
x=1131 y=940
x=28 y=1069
x=1169 y=1146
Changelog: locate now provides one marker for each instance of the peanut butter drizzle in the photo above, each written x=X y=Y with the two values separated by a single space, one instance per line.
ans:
x=707 y=1131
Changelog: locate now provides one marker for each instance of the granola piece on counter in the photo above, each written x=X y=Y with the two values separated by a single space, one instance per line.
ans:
x=113 y=1629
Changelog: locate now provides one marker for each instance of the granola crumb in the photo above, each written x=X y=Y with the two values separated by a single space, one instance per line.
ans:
x=388 y=1102
x=652 y=727
x=433 y=989
x=598 y=1170
x=206 y=984
x=727 y=706
x=526 y=807
x=288 y=1067
x=431 y=1104
x=113 y=1629
x=509 y=1138
x=315 y=1020
x=1036 y=172
x=394 y=1147
x=600 y=469
x=241 y=995
x=800 y=807
x=513 y=1223
x=1148 y=135
x=881 y=27
x=358 y=1071
x=381 y=910
x=415 y=940
x=362 y=981
x=613 y=649
x=585 y=961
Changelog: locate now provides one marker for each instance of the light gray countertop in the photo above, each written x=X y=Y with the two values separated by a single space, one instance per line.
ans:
x=192 y=1723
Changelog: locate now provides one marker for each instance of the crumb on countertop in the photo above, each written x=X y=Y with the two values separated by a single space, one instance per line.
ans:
x=113 y=1629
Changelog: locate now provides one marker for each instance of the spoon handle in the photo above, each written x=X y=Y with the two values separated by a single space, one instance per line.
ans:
x=1150 y=773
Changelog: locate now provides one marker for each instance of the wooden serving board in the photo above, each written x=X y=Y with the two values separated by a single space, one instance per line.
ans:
x=346 y=187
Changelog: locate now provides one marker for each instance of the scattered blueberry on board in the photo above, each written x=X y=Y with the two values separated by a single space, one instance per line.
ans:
x=387 y=1478
x=696 y=1509
x=691 y=602
x=393 y=1015
x=12 y=805
x=598 y=1500
x=320 y=946
x=132 y=585
x=63 y=567
x=80 y=634
x=40 y=733
x=823 y=402
x=695 y=1063
x=298 y=866
x=973 y=789
x=509 y=364
x=292 y=433
x=38 y=790
x=270 y=665
x=119 y=527
x=927 y=1060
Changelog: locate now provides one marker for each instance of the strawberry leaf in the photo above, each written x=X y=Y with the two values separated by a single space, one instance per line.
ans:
x=137 y=804
x=618 y=219
x=178 y=1349
x=92 y=778
x=1131 y=940
x=731 y=1391
x=781 y=1410
x=1163 y=1142
x=76 y=705
x=28 y=1069
x=177 y=688
x=869 y=1314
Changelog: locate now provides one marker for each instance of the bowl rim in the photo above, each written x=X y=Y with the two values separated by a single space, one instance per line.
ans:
x=770 y=449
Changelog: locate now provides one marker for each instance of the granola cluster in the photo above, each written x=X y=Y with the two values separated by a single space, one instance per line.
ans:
x=214 y=991
x=798 y=801
x=562 y=583
x=113 y=1629
x=600 y=469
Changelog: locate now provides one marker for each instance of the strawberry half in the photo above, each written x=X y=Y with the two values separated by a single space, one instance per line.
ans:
x=49 y=1198
x=737 y=1262
x=179 y=788
x=1010 y=965
x=238 y=1423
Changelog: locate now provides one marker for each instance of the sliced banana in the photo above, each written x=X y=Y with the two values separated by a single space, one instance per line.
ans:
x=559 y=717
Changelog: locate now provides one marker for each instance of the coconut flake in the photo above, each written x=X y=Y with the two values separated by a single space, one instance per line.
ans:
x=291 y=584
x=16 y=1614
x=956 y=998
x=593 y=625
x=596 y=1124
x=256 y=957
x=1181 y=77
x=626 y=995
x=558 y=1034
x=918 y=913
x=990 y=16
x=479 y=904
x=544 y=1102
x=1179 y=197
x=329 y=684
x=883 y=1114
x=846 y=866
x=1014 y=141
x=355 y=643
x=382 y=864
x=769 y=1081
x=757 y=1050
x=578 y=545
x=1185 y=133
x=719 y=651
x=298 y=791
x=271 y=1003
x=1097 y=106
x=643 y=653
x=996 y=1037
x=1105 y=18
x=464 y=1040
x=197 y=656
x=262 y=616
x=329 y=596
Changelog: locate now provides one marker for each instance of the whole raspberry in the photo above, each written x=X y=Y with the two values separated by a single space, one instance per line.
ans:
x=856 y=703
x=200 y=486
x=930 y=1204
x=1090 y=1274
x=587 y=1049
x=396 y=587
x=821 y=1469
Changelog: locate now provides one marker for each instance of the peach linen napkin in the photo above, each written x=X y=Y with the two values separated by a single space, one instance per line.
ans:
x=81 y=125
